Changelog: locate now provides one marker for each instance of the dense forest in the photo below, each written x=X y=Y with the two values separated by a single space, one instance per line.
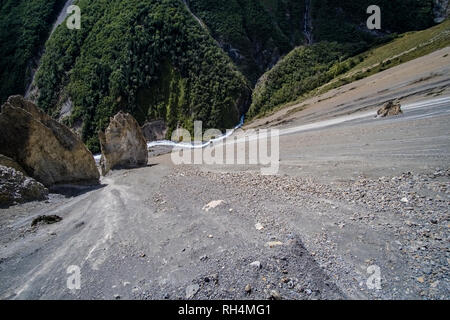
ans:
x=186 y=60
x=24 y=27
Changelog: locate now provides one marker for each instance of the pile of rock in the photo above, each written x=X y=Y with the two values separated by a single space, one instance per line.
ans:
x=123 y=144
x=15 y=187
x=392 y=108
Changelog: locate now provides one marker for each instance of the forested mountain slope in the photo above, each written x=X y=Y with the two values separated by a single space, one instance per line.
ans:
x=309 y=70
x=150 y=58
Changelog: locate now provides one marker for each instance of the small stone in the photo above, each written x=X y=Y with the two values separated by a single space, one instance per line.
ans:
x=435 y=284
x=275 y=295
x=192 y=290
x=404 y=200
x=272 y=244
x=210 y=236
x=46 y=220
x=256 y=264
x=259 y=226
x=117 y=297
x=427 y=270
x=215 y=278
x=421 y=279
x=248 y=288
x=212 y=205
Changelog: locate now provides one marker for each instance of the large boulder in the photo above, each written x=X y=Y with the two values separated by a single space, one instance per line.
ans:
x=154 y=130
x=392 y=108
x=47 y=150
x=15 y=187
x=123 y=144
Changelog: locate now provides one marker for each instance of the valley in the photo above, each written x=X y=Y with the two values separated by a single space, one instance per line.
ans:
x=353 y=191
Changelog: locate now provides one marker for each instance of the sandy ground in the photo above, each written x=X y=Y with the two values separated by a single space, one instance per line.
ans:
x=351 y=196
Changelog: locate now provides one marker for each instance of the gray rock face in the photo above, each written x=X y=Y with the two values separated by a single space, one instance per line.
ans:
x=15 y=187
x=392 y=108
x=441 y=10
x=123 y=144
x=47 y=150
x=154 y=130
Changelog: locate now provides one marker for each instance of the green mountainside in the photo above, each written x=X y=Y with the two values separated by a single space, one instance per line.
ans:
x=150 y=58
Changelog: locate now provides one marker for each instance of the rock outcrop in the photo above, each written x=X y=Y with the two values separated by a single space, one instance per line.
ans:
x=10 y=163
x=15 y=187
x=392 y=108
x=154 y=130
x=47 y=150
x=123 y=144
